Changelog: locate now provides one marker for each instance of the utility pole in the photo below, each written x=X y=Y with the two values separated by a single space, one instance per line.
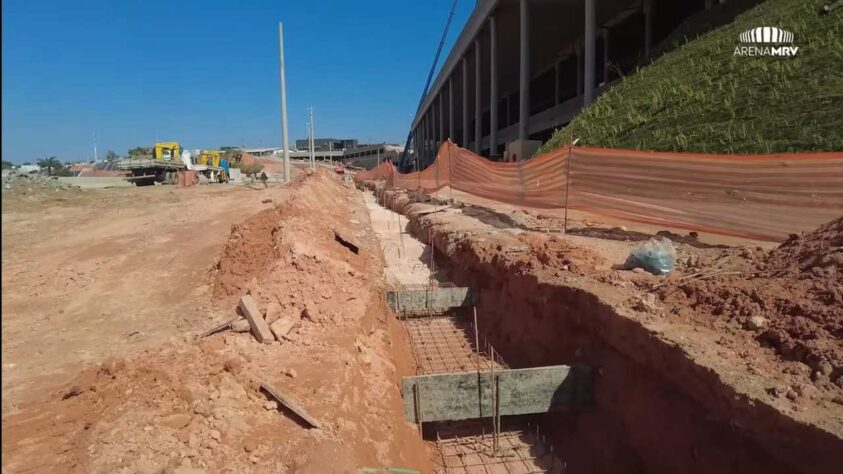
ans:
x=284 y=142
x=96 y=158
x=312 y=141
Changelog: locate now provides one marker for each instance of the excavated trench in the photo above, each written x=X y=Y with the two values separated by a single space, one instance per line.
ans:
x=654 y=409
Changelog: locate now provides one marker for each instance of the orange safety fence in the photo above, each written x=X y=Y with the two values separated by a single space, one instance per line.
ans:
x=762 y=197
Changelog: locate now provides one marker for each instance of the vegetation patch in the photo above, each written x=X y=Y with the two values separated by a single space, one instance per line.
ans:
x=700 y=97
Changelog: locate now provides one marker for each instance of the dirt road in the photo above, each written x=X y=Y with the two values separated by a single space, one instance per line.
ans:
x=102 y=295
x=108 y=272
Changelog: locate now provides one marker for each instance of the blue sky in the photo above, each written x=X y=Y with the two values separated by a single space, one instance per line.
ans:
x=205 y=73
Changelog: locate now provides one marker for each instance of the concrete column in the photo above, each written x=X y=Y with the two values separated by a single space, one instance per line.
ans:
x=478 y=119
x=605 y=55
x=556 y=82
x=416 y=142
x=424 y=141
x=434 y=107
x=451 y=107
x=579 y=70
x=648 y=28
x=431 y=117
x=524 y=73
x=441 y=118
x=590 y=34
x=464 y=102
x=420 y=141
x=493 y=87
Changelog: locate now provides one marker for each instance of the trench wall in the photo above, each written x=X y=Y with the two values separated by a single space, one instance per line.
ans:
x=656 y=409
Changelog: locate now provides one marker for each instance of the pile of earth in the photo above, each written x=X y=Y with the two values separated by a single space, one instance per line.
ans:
x=791 y=300
x=35 y=185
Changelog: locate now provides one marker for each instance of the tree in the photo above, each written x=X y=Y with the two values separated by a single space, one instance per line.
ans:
x=251 y=169
x=50 y=164
x=111 y=156
x=138 y=151
x=7 y=165
x=63 y=171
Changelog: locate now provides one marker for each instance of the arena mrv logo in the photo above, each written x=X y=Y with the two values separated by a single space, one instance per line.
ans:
x=766 y=41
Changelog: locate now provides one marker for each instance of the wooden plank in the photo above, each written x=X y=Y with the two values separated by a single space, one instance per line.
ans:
x=217 y=329
x=468 y=395
x=434 y=297
x=291 y=404
x=259 y=327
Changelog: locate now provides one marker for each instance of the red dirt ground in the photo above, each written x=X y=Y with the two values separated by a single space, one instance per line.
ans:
x=679 y=388
x=195 y=407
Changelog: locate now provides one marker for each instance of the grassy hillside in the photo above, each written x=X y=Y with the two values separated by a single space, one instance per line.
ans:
x=699 y=97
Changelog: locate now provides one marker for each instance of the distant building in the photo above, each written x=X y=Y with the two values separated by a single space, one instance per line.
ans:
x=29 y=168
x=327 y=144
x=522 y=68
x=370 y=156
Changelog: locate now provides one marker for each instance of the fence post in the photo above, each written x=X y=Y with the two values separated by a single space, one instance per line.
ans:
x=567 y=188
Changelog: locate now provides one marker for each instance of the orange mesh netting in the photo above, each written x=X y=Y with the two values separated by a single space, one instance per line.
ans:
x=755 y=196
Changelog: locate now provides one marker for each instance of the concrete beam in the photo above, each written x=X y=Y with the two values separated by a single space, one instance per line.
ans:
x=429 y=298
x=469 y=395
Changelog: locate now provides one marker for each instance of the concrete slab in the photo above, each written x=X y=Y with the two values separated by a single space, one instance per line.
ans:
x=430 y=297
x=467 y=395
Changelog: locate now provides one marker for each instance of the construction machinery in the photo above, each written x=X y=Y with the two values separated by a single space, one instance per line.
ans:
x=167 y=160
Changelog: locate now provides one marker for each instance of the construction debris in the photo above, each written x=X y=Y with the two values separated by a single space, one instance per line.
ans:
x=241 y=325
x=218 y=328
x=291 y=404
x=259 y=327
x=283 y=326
x=346 y=241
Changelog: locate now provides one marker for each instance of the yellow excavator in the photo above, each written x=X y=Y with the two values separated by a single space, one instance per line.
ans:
x=167 y=160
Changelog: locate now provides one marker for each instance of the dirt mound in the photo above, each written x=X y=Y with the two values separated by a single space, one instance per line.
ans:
x=790 y=300
x=198 y=406
x=818 y=253
x=270 y=166
x=35 y=186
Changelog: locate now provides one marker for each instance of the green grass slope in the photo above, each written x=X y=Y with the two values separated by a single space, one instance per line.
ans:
x=699 y=97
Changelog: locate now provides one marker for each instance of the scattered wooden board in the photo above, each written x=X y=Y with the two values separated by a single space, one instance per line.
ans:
x=259 y=327
x=217 y=329
x=291 y=404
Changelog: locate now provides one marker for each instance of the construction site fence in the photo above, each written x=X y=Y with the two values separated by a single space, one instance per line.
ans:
x=765 y=197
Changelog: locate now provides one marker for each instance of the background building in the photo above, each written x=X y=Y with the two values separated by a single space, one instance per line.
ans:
x=370 y=156
x=331 y=144
x=522 y=68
